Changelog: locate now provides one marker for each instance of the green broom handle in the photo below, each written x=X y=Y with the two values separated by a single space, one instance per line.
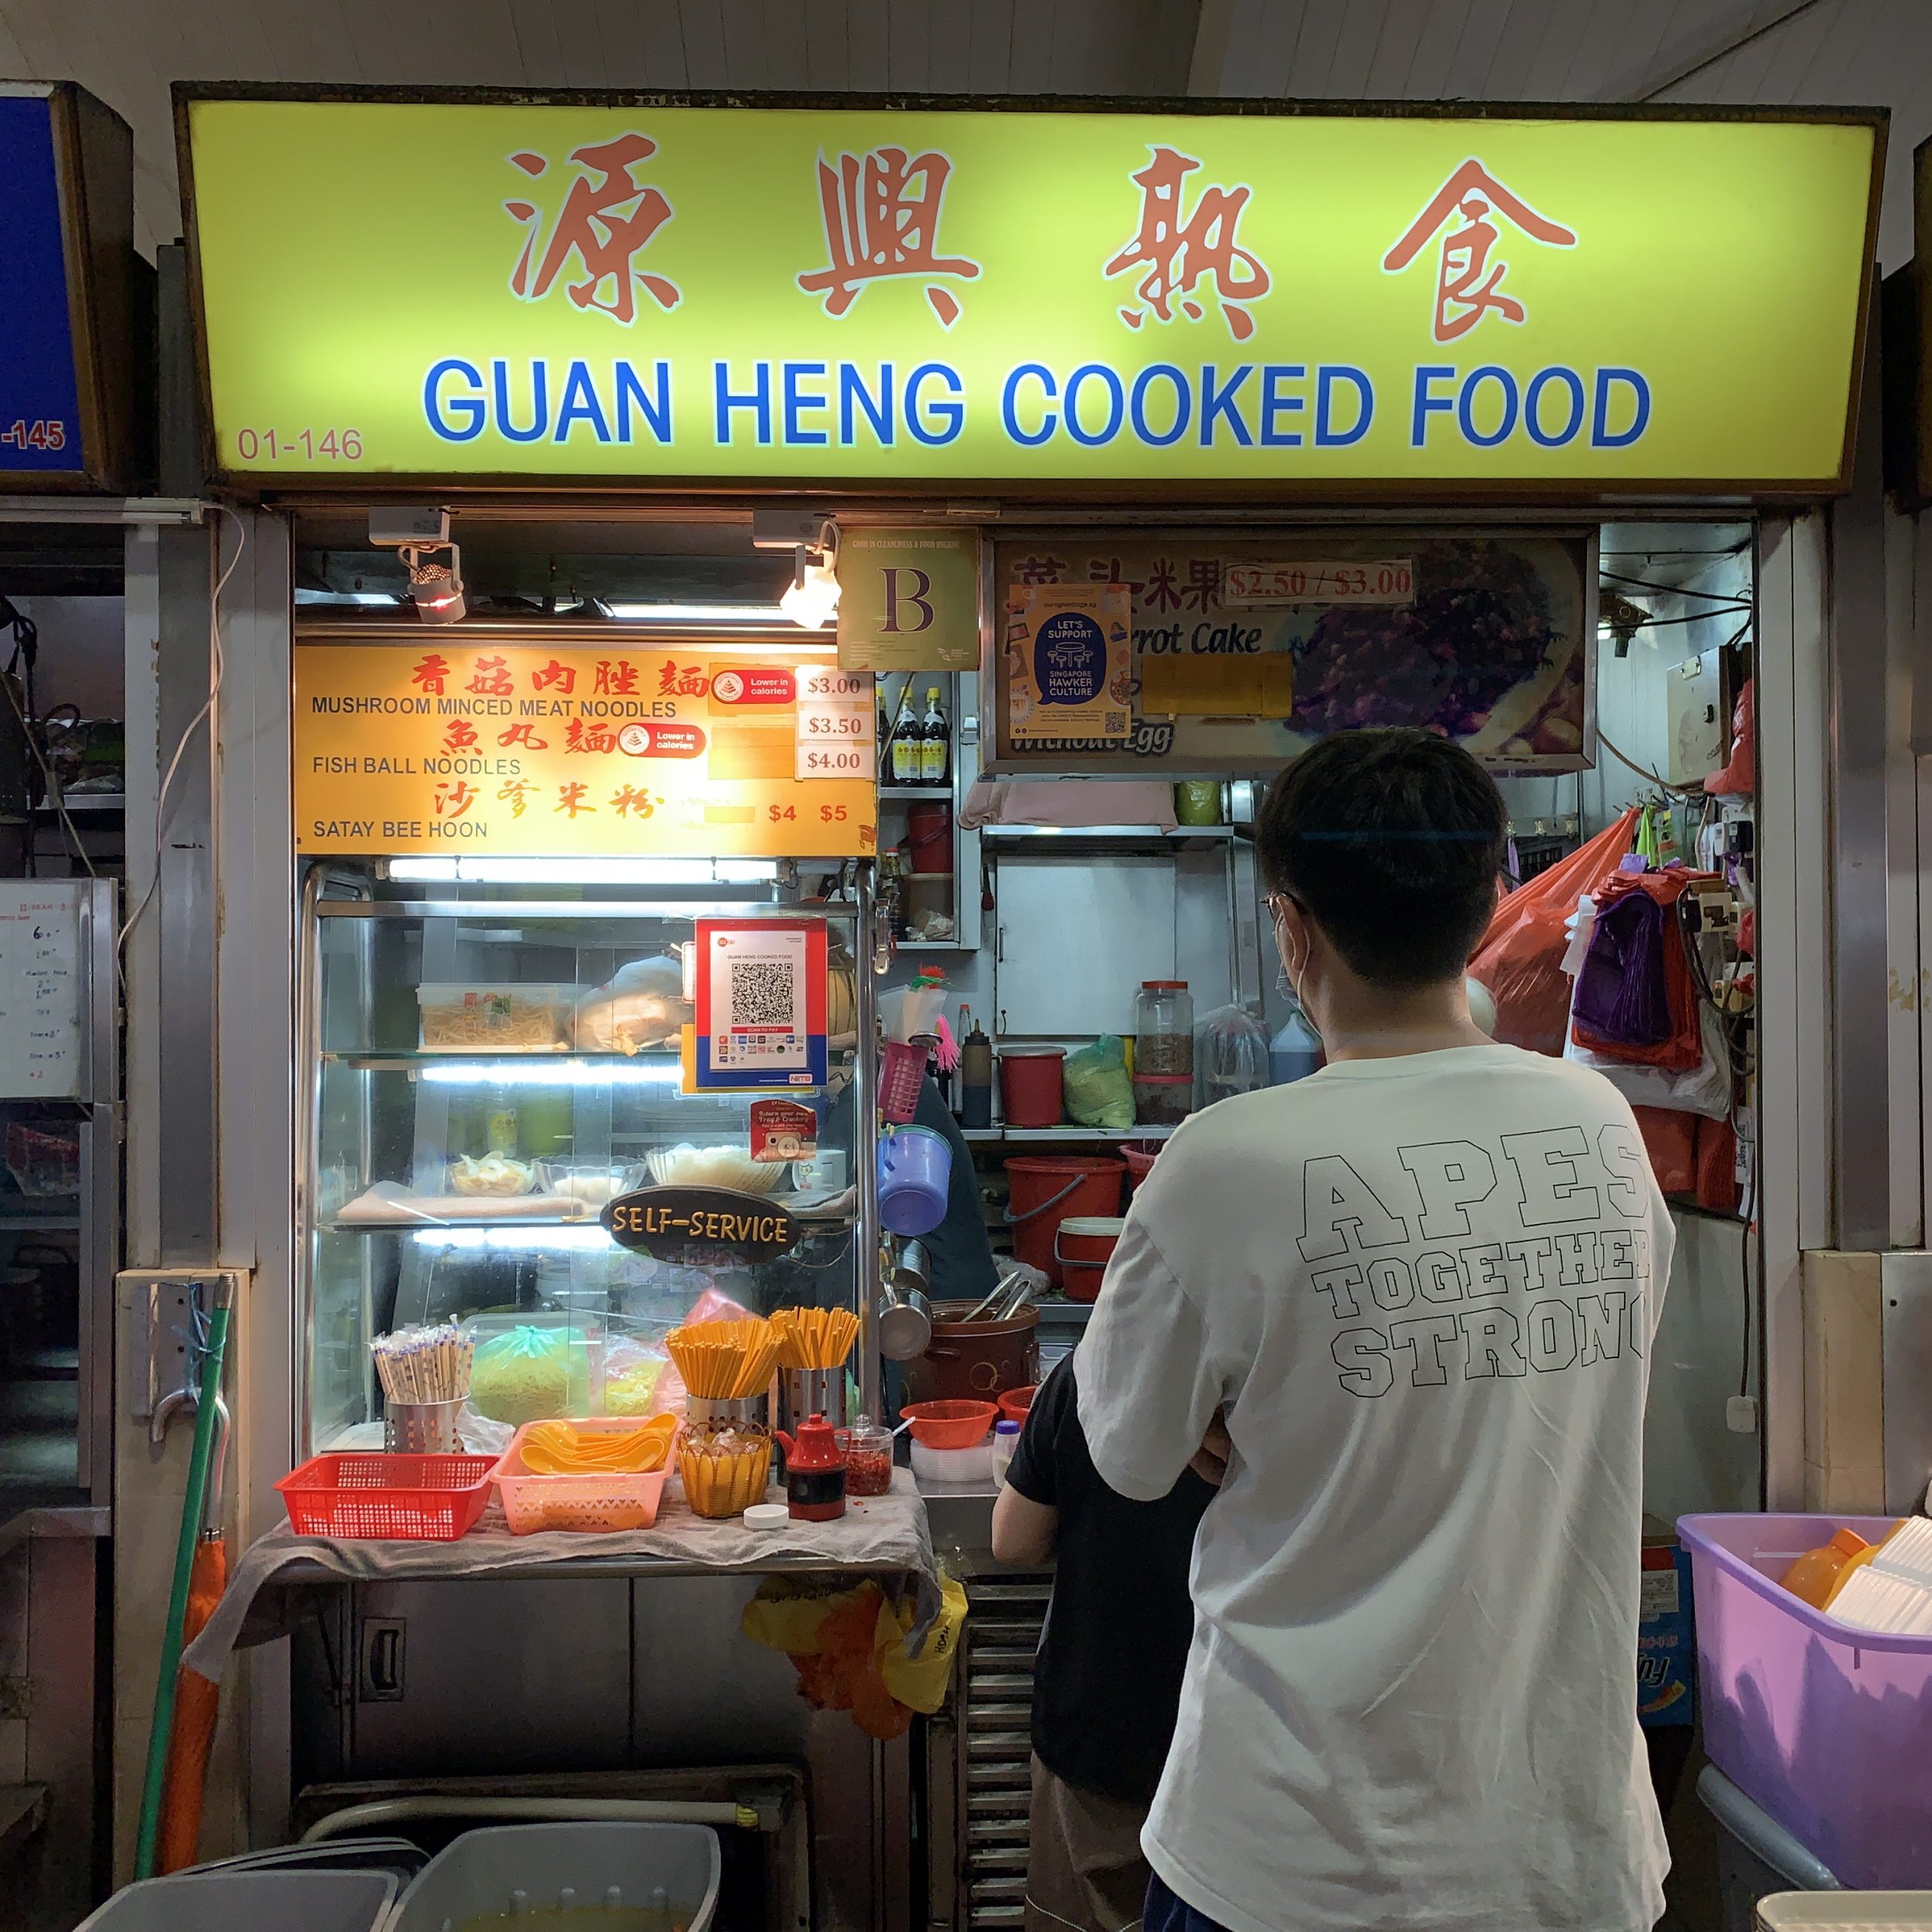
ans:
x=177 y=1601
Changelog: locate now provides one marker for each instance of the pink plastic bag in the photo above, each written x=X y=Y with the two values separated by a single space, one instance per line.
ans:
x=1520 y=958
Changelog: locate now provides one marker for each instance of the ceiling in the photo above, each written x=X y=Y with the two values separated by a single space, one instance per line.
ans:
x=1770 y=52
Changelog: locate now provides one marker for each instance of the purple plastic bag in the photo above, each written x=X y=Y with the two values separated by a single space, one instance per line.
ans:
x=1621 y=997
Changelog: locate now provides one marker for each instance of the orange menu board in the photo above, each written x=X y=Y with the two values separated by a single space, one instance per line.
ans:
x=448 y=746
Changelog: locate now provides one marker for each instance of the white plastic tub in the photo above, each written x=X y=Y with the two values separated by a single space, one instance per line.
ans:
x=675 y=1867
x=240 y=1901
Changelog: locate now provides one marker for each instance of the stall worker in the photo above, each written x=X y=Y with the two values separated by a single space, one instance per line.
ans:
x=1419 y=1286
x=1107 y=1684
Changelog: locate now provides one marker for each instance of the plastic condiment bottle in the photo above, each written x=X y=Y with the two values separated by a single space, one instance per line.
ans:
x=814 y=1473
x=976 y=1079
x=1813 y=1577
x=1295 y=1052
x=1006 y=1440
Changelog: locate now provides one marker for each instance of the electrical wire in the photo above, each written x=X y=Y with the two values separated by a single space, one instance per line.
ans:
x=1744 y=1259
x=1642 y=770
x=216 y=666
x=54 y=791
x=1730 y=598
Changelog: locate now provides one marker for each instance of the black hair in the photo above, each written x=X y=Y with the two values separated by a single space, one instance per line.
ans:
x=1391 y=840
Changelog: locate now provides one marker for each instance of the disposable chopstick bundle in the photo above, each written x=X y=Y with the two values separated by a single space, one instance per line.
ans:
x=424 y=1364
x=815 y=1338
x=724 y=1361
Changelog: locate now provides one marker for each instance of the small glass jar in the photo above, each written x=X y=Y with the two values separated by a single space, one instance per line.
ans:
x=867 y=1448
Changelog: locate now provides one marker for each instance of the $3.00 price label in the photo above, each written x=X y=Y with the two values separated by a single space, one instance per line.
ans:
x=1249 y=584
x=837 y=732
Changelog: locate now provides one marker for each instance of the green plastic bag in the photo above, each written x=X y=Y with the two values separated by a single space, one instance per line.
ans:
x=1097 y=1090
x=531 y=1374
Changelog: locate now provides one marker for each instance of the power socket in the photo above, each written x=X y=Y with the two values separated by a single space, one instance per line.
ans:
x=1740 y=1415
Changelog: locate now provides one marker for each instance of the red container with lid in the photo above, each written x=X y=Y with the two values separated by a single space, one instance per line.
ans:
x=1083 y=1246
x=1030 y=1086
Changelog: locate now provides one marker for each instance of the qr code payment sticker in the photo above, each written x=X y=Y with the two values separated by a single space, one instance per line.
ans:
x=761 y=992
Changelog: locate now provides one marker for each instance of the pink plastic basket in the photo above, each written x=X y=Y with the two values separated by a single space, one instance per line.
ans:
x=406 y=1499
x=1823 y=1726
x=902 y=1071
x=590 y=1504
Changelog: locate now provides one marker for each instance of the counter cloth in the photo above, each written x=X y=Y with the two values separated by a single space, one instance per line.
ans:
x=876 y=1534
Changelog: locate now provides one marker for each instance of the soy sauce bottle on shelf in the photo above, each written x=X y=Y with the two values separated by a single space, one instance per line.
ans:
x=935 y=742
x=908 y=749
x=976 y=1075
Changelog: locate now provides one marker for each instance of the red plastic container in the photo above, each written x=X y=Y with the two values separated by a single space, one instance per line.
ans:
x=949 y=1425
x=1141 y=1160
x=1015 y=1403
x=1083 y=1245
x=929 y=838
x=1029 y=1086
x=403 y=1499
x=1046 y=1188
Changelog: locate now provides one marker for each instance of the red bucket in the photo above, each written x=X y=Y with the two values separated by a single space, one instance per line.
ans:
x=929 y=837
x=1083 y=1245
x=1046 y=1188
x=1029 y=1087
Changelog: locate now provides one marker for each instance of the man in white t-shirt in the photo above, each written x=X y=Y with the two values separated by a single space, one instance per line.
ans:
x=1417 y=1289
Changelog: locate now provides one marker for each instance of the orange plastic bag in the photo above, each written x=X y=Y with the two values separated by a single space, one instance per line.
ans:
x=1521 y=958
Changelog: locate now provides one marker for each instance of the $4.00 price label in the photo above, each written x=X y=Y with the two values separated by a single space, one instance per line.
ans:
x=1390 y=581
x=837 y=732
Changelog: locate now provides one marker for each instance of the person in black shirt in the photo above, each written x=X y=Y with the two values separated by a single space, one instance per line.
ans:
x=1106 y=1684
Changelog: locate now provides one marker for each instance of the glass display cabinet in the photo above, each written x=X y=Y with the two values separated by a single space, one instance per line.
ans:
x=486 y=1067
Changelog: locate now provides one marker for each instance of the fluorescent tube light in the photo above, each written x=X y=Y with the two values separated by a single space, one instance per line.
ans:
x=587 y=872
x=541 y=1070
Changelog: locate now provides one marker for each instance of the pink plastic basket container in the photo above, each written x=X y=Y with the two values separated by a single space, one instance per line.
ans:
x=406 y=1499
x=1824 y=1727
x=589 y=1505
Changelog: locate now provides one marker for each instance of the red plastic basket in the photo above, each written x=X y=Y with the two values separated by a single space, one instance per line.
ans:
x=410 y=1499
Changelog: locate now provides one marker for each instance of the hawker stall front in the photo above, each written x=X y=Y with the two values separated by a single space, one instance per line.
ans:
x=737 y=619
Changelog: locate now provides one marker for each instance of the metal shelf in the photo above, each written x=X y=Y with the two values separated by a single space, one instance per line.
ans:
x=1024 y=1133
x=39 y=1224
x=77 y=803
x=935 y=794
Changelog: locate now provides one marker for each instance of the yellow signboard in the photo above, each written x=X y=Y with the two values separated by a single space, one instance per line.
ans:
x=456 y=746
x=1366 y=304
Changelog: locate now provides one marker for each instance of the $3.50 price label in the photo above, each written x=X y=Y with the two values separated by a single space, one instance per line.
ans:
x=837 y=732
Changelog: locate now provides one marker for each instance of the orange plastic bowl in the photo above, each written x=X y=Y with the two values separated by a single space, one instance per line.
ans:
x=949 y=1425
x=1014 y=1404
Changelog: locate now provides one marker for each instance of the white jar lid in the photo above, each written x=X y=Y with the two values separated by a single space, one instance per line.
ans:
x=1093 y=1226
x=767 y=1516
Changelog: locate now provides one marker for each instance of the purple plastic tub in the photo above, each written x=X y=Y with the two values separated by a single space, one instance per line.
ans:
x=1829 y=1729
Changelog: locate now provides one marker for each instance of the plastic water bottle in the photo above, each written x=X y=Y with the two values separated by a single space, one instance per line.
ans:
x=1295 y=1052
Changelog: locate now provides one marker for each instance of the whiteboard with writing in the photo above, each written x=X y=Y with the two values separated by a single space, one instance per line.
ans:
x=43 y=988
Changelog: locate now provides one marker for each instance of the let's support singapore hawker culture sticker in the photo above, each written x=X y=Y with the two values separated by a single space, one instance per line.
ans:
x=612 y=292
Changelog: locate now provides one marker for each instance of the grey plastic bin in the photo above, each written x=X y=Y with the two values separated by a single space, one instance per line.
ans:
x=480 y=1873
x=248 y=1901
x=1757 y=1858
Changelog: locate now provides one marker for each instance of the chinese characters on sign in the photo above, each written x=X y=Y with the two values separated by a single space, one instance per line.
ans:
x=515 y=751
x=1179 y=251
x=814 y=295
x=1464 y=292
x=608 y=217
x=875 y=227
x=1244 y=654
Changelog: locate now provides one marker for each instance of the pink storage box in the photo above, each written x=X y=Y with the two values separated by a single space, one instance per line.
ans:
x=1828 y=1729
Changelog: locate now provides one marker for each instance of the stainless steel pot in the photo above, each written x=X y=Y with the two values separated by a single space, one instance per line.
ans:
x=905 y=1314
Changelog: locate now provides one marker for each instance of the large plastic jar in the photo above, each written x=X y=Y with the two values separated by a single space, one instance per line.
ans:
x=1163 y=1052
